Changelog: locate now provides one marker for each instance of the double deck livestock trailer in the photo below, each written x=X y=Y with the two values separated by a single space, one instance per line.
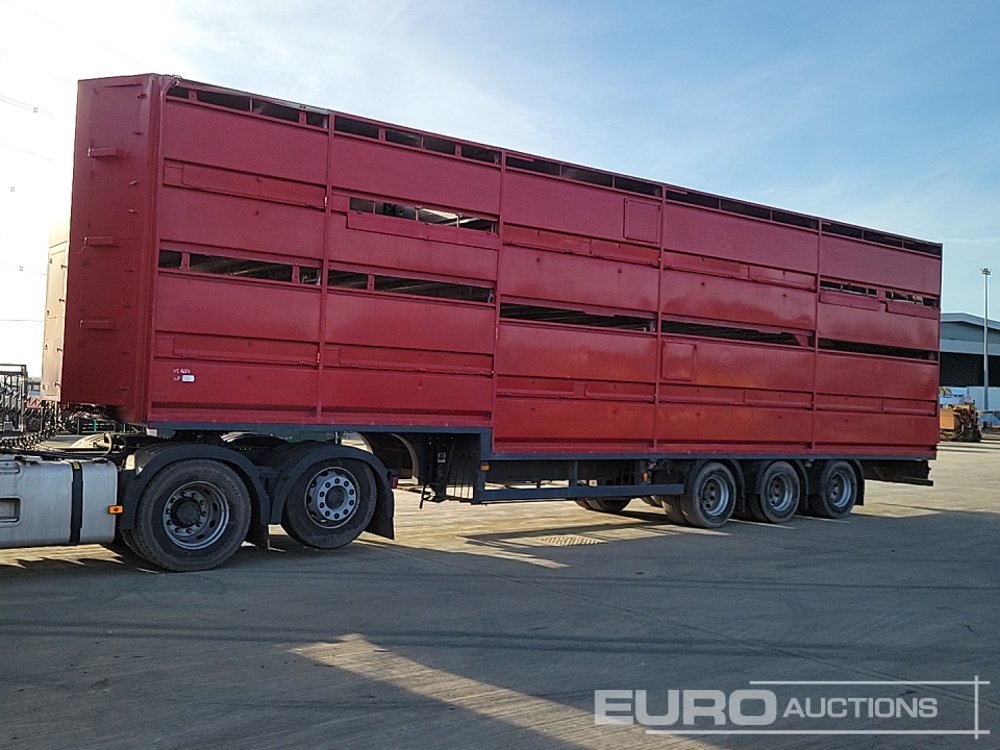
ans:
x=248 y=281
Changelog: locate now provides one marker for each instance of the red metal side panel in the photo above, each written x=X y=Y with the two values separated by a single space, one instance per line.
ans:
x=903 y=270
x=243 y=142
x=874 y=433
x=567 y=425
x=735 y=365
x=559 y=277
x=549 y=203
x=395 y=246
x=395 y=396
x=698 y=230
x=193 y=217
x=736 y=300
x=248 y=186
x=865 y=375
x=225 y=306
x=381 y=169
x=383 y=320
x=107 y=291
x=204 y=391
x=721 y=425
x=535 y=350
x=856 y=318
x=571 y=243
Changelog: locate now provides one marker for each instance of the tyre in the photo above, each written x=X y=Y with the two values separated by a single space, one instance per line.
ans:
x=604 y=504
x=710 y=497
x=778 y=493
x=650 y=500
x=330 y=503
x=838 y=490
x=672 y=508
x=193 y=515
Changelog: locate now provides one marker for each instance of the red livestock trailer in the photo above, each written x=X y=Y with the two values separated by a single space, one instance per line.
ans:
x=250 y=280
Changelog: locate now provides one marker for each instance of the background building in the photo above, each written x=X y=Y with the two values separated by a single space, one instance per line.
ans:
x=962 y=355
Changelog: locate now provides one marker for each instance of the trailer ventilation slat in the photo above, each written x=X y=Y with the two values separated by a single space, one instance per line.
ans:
x=564 y=316
x=433 y=216
x=735 y=333
x=857 y=347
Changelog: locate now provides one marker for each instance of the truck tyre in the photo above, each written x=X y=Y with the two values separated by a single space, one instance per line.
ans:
x=710 y=497
x=777 y=495
x=193 y=515
x=838 y=490
x=671 y=505
x=330 y=503
x=604 y=504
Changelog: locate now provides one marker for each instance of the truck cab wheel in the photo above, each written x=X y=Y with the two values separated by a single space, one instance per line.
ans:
x=838 y=490
x=193 y=515
x=710 y=496
x=330 y=503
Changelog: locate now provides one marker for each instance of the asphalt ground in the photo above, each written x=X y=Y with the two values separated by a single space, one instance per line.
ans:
x=491 y=627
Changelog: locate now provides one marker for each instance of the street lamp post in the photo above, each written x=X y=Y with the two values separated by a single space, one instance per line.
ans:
x=986 y=339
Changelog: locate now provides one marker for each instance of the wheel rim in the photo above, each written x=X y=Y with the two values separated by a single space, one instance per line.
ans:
x=332 y=497
x=840 y=489
x=196 y=515
x=715 y=496
x=780 y=493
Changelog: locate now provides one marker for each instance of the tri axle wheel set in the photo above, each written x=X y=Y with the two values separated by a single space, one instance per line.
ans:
x=764 y=491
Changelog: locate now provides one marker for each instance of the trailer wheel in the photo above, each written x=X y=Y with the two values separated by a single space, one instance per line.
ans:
x=710 y=497
x=330 y=503
x=671 y=505
x=193 y=515
x=839 y=487
x=604 y=504
x=778 y=493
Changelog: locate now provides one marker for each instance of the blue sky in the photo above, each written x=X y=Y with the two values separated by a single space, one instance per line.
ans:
x=885 y=114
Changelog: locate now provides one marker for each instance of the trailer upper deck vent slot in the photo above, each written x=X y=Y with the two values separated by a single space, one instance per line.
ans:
x=586 y=175
x=179 y=92
x=695 y=199
x=355 y=127
x=930 y=248
x=796 y=220
x=534 y=165
x=638 y=186
x=479 y=153
x=440 y=145
x=747 y=209
x=240 y=102
x=882 y=238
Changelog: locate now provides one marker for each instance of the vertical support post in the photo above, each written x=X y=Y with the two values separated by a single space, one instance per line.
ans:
x=986 y=339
